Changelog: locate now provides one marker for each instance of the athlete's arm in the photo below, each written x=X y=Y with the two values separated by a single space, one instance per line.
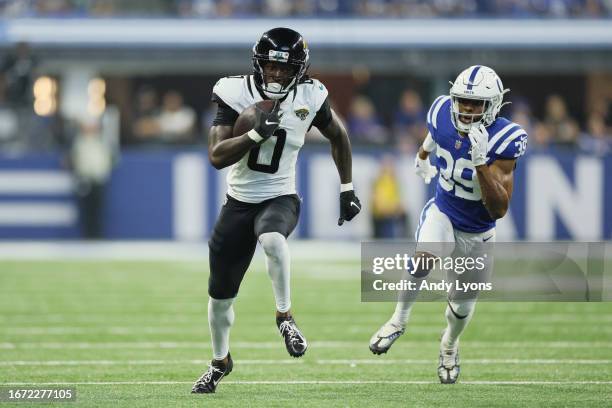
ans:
x=422 y=166
x=496 y=184
x=341 y=152
x=427 y=147
x=340 y=147
x=224 y=149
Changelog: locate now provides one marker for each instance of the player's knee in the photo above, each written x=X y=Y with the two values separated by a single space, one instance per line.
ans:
x=461 y=308
x=221 y=292
x=221 y=289
x=274 y=245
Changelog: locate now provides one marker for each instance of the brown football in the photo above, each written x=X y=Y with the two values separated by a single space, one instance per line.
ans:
x=246 y=120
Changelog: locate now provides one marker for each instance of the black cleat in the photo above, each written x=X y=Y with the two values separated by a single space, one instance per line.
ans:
x=207 y=383
x=294 y=339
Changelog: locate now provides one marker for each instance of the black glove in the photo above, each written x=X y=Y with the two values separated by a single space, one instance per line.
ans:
x=267 y=123
x=349 y=206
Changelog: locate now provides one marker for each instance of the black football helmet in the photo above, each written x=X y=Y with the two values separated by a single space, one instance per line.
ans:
x=282 y=45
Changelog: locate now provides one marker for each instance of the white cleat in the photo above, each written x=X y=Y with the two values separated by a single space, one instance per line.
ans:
x=448 y=369
x=384 y=338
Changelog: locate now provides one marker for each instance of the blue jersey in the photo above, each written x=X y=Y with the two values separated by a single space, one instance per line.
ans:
x=458 y=191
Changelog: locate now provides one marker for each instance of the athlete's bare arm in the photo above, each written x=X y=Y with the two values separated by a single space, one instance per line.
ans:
x=496 y=184
x=340 y=147
x=224 y=149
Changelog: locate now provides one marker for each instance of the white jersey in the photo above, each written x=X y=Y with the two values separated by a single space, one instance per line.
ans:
x=268 y=171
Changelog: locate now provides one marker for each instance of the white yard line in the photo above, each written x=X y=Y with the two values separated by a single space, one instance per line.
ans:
x=309 y=382
x=119 y=330
x=141 y=345
x=384 y=361
x=355 y=362
x=315 y=344
x=65 y=251
x=137 y=362
x=188 y=329
x=194 y=317
x=202 y=331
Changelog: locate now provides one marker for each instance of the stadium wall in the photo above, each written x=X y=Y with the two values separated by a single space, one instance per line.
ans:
x=352 y=32
x=177 y=195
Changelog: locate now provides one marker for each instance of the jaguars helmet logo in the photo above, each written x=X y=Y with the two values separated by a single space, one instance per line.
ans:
x=302 y=113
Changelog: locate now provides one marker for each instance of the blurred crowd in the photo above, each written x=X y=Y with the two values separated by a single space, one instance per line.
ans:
x=556 y=128
x=20 y=128
x=309 y=8
x=163 y=117
x=170 y=121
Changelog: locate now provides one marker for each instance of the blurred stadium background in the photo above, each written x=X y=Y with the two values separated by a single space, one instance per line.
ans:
x=105 y=107
x=104 y=112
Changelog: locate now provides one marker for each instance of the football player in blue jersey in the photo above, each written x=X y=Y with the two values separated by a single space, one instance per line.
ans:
x=476 y=153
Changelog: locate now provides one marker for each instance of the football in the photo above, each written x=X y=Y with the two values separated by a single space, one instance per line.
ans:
x=246 y=120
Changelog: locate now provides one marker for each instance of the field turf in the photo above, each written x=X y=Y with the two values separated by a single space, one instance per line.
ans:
x=135 y=334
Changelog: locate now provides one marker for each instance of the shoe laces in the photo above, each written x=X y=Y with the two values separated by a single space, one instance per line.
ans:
x=289 y=328
x=207 y=377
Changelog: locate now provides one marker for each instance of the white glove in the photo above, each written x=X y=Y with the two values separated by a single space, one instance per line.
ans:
x=424 y=169
x=479 y=139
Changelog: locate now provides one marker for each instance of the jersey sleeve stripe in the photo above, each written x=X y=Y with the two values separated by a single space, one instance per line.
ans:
x=509 y=140
x=433 y=106
x=506 y=130
x=436 y=110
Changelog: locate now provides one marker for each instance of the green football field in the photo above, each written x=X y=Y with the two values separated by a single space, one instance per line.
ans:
x=135 y=334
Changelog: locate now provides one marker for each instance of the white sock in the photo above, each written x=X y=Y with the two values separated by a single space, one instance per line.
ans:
x=458 y=315
x=277 y=262
x=220 y=320
x=401 y=313
x=405 y=301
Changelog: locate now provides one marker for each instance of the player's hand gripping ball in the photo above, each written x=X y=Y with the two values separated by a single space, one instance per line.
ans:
x=259 y=120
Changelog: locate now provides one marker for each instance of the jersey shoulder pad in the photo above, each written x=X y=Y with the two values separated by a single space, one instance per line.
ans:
x=231 y=91
x=507 y=140
x=314 y=91
x=439 y=107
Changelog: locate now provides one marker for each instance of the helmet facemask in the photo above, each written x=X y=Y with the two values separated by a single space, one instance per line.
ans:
x=275 y=90
x=267 y=84
x=486 y=117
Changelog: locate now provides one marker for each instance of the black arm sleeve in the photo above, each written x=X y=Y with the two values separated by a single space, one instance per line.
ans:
x=225 y=116
x=323 y=116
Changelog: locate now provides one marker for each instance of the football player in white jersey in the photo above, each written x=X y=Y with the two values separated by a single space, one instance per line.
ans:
x=476 y=152
x=262 y=203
